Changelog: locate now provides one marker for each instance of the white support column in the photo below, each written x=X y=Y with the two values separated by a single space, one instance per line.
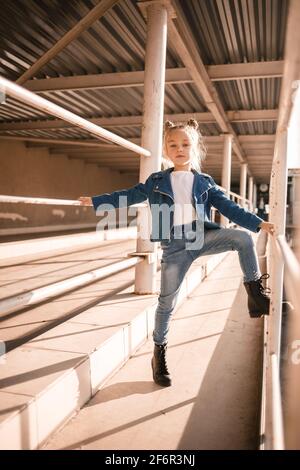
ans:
x=278 y=196
x=152 y=129
x=226 y=169
x=243 y=182
x=278 y=193
x=254 y=196
x=250 y=193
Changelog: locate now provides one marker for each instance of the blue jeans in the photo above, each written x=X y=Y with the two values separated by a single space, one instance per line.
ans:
x=177 y=259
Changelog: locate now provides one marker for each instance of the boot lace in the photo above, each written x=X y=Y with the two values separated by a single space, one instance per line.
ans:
x=163 y=368
x=264 y=290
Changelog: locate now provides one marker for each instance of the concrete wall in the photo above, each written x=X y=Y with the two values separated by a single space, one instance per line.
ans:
x=34 y=172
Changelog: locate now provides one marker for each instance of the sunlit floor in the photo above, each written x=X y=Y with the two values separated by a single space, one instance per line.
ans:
x=214 y=356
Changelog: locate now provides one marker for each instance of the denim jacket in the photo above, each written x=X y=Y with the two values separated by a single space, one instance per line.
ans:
x=158 y=190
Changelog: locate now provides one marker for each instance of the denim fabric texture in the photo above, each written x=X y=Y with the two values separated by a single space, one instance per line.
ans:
x=158 y=190
x=183 y=244
x=177 y=259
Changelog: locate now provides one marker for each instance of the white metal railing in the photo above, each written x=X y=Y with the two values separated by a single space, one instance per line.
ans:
x=271 y=424
x=9 y=88
x=48 y=201
x=277 y=420
x=291 y=272
x=27 y=299
x=284 y=266
x=292 y=285
x=245 y=203
x=236 y=197
x=26 y=96
x=70 y=202
x=37 y=200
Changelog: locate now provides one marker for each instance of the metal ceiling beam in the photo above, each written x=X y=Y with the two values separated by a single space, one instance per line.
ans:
x=269 y=146
x=114 y=151
x=45 y=142
x=245 y=71
x=104 y=81
x=105 y=156
x=104 y=153
x=212 y=141
x=128 y=121
x=224 y=72
x=114 y=165
x=258 y=152
x=252 y=115
x=257 y=138
x=99 y=10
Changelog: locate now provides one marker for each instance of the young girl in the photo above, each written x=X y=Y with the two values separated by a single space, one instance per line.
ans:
x=190 y=194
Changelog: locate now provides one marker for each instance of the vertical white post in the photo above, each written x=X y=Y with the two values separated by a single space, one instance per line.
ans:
x=154 y=86
x=243 y=182
x=277 y=202
x=278 y=193
x=226 y=169
x=278 y=217
x=250 y=193
x=254 y=196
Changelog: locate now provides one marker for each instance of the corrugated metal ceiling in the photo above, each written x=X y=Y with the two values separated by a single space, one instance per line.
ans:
x=235 y=31
x=226 y=31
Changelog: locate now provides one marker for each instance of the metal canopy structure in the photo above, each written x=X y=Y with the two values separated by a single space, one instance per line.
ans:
x=224 y=67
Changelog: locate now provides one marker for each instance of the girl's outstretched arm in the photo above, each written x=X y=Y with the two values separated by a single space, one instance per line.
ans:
x=118 y=199
x=236 y=213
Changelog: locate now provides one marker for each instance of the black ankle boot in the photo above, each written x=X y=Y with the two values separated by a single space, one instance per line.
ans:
x=161 y=374
x=258 y=302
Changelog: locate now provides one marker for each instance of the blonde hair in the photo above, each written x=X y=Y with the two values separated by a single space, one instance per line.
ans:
x=198 y=148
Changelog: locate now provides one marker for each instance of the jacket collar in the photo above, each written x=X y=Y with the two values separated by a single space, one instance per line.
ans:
x=163 y=183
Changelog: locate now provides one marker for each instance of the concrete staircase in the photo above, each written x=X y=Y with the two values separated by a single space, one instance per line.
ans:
x=49 y=378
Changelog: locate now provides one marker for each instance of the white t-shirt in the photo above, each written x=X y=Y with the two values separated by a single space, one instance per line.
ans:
x=182 y=185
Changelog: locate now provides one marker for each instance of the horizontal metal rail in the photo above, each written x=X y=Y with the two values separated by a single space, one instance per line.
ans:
x=234 y=195
x=291 y=271
x=12 y=252
x=277 y=420
x=292 y=283
x=25 y=96
x=47 y=201
x=67 y=202
x=24 y=300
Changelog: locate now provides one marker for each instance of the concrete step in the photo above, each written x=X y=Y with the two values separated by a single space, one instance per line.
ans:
x=17 y=252
x=63 y=368
x=214 y=356
x=28 y=276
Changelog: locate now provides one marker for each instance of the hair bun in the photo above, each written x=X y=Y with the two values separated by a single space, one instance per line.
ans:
x=192 y=123
x=169 y=125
